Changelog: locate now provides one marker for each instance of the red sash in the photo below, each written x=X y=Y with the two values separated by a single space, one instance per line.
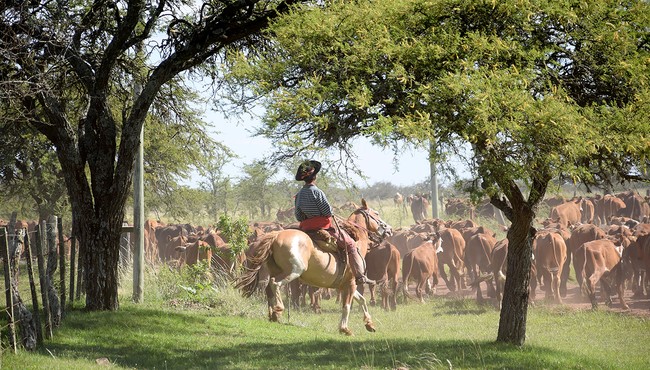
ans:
x=315 y=223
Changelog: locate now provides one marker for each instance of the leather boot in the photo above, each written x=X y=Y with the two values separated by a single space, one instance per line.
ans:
x=356 y=265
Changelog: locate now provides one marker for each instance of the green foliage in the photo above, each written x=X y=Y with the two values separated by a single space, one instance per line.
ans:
x=537 y=89
x=30 y=173
x=255 y=190
x=235 y=233
x=188 y=286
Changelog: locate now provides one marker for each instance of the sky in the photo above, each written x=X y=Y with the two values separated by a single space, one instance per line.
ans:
x=375 y=163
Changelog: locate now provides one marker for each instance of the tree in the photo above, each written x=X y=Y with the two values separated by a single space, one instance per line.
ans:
x=176 y=142
x=29 y=169
x=67 y=67
x=176 y=145
x=214 y=181
x=255 y=189
x=539 y=90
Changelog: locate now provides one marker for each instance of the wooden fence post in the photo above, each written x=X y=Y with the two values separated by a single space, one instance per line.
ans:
x=52 y=262
x=42 y=279
x=61 y=264
x=73 y=266
x=9 y=297
x=22 y=316
x=32 y=287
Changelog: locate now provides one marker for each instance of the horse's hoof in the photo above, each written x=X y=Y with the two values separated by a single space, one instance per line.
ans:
x=275 y=317
x=345 y=331
x=371 y=328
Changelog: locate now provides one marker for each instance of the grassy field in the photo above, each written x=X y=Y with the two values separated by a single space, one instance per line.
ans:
x=189 y=321
x=186 y=325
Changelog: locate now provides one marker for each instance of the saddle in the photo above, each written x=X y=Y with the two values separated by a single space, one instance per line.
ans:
x=323 y=240
x=327 y=243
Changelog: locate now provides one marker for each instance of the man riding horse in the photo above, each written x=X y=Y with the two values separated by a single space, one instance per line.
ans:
x=315 y=213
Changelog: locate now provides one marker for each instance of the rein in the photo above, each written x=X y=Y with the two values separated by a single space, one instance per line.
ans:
x=375 y=236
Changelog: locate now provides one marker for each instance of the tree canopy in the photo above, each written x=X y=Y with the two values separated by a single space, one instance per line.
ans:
x=538 y=89
x=564 y=84
x=86 y=73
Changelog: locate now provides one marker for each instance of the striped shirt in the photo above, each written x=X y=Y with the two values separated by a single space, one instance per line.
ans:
x=311 y=202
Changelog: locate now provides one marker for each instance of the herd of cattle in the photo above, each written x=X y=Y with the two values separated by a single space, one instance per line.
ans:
x=605 y=238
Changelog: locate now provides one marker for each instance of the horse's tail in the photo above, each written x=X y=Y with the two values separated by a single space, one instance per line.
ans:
x=249 y=279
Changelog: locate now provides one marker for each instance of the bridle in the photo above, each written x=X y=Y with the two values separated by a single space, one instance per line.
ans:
x=383 y=229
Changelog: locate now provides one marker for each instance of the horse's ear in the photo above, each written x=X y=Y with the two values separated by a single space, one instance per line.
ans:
x=364 y=204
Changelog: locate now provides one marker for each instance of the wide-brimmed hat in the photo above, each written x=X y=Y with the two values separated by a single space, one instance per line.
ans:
x=307 y=169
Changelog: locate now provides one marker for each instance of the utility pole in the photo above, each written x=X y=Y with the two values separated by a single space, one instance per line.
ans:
x=138 y=206
x=434 y=182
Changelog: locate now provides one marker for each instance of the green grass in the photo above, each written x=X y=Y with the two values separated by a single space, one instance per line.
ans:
x=235 y=334
x=191 y=322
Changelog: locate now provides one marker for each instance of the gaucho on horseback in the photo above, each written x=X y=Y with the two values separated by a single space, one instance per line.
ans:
x=314 y=212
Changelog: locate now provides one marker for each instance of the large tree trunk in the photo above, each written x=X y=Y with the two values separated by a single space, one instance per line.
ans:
x=98 y=212
x=514 y=309
x=100 y=237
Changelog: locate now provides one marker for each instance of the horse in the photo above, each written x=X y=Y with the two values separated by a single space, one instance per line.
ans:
x=290 y=254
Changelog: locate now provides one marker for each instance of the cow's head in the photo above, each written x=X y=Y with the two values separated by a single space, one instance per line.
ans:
x=436 y=240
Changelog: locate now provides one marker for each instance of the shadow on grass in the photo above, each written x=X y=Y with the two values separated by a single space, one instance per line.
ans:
x=152 y=339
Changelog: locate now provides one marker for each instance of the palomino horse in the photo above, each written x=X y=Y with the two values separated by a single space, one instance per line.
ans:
x=290 y=254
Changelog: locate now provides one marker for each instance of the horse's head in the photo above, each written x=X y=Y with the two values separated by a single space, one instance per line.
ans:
x=371 y=221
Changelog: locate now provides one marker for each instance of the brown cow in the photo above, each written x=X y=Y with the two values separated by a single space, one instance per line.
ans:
x=400 y=240
x=568 y=213
x=608 y=206
x=427 y=226
x=194 y=252
x=421 y=264
x=639 y=252
x=298 y=292
x=382 y=266
x=588 y=209
x=223 y=258
x=419 y=207
x=478 y=249
x=150 y=242
x=637 y=255
x=452 y=255
x=287 y=215
x=460 y=225
x=398 y=199
x=169 y=237
x=636 y=207
x=406 y=240
x=459 y=207
x=554 y=201
x=622 y=234
x=600 y=261
x=550 y=254
x=499 y=269
x=579 y=235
